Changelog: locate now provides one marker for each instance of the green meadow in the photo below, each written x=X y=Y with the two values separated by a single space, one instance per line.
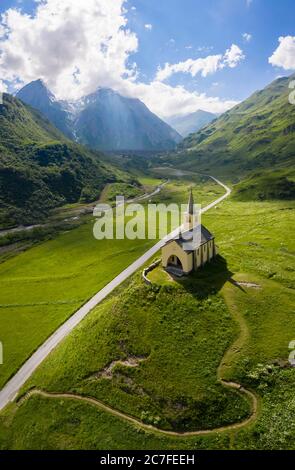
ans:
x=43 y=286
x=169 y=331
x=232 y=320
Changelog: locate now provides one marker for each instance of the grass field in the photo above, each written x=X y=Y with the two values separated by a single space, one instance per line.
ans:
x=204 y=192
x=181 y=334
x=267 y=186
x=112 y=190
x=169 y=332
x=43 y=286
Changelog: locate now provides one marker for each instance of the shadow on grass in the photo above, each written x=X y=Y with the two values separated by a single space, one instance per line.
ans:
x=208 y=280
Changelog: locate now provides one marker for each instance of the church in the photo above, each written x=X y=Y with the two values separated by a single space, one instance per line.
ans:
x=186 y=252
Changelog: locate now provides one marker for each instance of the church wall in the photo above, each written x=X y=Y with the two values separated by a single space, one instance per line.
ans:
x=204 y=249
x=211 y=249
x=174 y=249
x=204 y=254
x=198 y=258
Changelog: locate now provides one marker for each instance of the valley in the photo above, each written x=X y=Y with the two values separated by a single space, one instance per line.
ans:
x=41 y=170
x=95 y=356
x=54 y=278
x=201 y=318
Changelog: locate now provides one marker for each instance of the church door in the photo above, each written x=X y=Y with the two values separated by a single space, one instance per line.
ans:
x=175 y=261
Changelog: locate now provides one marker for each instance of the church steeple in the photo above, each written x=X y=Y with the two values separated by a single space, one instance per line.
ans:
x=191 y=204
x=190 y=215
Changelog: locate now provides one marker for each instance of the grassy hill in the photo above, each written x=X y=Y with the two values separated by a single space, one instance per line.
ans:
x=267 y=185
x=257 y=134
x=56 y=277
x=235 y=319
x=41 y=169
x=173 y=383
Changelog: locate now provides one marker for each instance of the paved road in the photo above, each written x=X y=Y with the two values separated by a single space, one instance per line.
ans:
x=10 y=390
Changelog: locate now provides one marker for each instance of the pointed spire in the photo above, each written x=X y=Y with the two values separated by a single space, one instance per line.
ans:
x=191 y=204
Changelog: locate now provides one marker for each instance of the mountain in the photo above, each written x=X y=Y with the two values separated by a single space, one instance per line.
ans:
x=110 y=121
x=259 y=133
x=37 y=95
x=104 y=120
x=41 y=169
x=190 y=123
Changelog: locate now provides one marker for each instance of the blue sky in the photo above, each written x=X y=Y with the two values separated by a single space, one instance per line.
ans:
x=156 y=32
x=213 y=24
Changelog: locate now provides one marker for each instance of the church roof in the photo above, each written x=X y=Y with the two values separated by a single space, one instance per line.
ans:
x=186 y=237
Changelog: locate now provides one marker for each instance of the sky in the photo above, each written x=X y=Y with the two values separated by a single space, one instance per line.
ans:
x=177 y=56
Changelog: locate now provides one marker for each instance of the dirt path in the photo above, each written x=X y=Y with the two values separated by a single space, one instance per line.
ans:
x=147 y=427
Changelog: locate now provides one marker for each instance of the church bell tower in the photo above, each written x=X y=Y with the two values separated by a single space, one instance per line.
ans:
x=190 y=217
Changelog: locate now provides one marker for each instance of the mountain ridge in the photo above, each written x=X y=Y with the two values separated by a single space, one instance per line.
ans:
x=103 y=120
x=39 y=97
x=258 y=133
x=192 y=122
x=41 y=169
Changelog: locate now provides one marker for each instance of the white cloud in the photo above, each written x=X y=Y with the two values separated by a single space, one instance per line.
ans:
x=247 y=37
x=233 y=56
x=165 y=100
x=2 y=31
x=75 y=47
x=148 y=26
x=3 y=87
x=284 y=55
x=205 y=66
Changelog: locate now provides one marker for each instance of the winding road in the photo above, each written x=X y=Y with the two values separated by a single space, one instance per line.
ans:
x=12 y=387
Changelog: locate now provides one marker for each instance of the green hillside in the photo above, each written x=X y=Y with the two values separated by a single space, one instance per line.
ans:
x=258 y=133
x=40 y=169
x=156 y=354
x=267 y=185
x=56 y=277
